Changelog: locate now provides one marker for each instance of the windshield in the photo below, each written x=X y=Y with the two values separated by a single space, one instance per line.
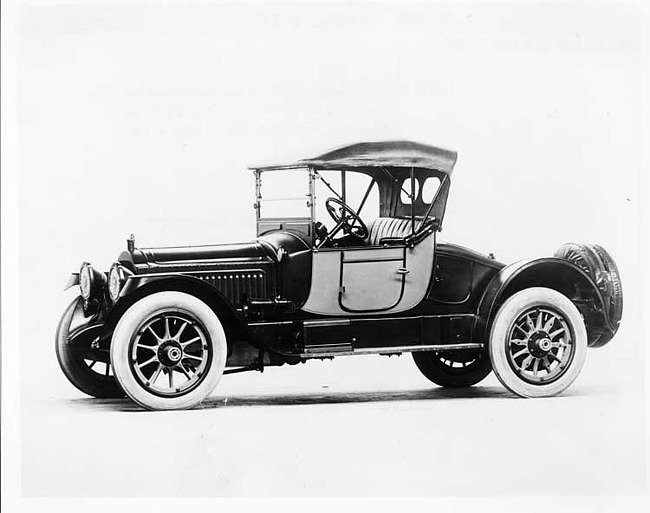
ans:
x=283 y=194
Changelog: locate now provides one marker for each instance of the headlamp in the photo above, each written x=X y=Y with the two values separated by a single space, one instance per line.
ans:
x=91 y=284
x=117 y=277
x=86 y=280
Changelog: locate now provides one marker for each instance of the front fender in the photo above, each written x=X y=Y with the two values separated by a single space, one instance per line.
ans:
x=74 y=321
x=554 y=273
x=139 y=286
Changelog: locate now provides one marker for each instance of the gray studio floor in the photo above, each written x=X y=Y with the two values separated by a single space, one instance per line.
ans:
x=355 y=426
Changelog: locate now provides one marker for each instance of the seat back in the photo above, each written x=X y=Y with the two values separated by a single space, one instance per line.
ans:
x=388 y=227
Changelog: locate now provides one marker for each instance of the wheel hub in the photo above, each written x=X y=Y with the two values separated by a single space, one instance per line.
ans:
x=539 y=344
x=170 y=353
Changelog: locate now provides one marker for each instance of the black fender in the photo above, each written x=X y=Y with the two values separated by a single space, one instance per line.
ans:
x=77 y=330
x=554 y=273
x=137 y=287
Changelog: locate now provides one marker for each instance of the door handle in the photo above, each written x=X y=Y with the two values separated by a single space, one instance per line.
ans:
x=402 y=270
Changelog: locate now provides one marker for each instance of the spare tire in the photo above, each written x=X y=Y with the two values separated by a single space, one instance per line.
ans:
x=614 y=280
x=600 y=266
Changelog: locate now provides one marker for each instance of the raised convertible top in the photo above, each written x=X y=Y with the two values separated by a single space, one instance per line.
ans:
x=382 y=154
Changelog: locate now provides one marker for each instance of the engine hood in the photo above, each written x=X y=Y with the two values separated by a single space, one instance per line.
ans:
x=267 y=249
x=194 y=257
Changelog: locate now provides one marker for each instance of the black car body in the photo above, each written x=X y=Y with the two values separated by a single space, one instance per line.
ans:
x=301 y=291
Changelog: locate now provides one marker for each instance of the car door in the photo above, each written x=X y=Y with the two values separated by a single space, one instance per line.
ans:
x=365 y=280
x=371 y=279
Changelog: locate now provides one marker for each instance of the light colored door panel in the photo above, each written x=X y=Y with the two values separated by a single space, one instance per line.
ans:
x=374 y=285
x=371 y=286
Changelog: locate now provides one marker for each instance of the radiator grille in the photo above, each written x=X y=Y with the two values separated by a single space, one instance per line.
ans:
x=235 y=285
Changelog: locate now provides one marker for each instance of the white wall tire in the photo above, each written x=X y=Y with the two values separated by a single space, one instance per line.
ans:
x=538 y=343
x=169 y=336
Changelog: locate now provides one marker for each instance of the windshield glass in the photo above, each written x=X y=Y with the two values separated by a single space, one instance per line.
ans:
x=284 y=194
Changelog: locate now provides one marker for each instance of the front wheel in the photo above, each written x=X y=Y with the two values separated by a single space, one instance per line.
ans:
x=168 y=351
x=538 y=343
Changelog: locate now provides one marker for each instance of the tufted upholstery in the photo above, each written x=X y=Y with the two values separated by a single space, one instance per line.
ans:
x=388 y=227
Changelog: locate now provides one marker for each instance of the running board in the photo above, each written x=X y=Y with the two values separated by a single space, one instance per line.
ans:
x=390 y=350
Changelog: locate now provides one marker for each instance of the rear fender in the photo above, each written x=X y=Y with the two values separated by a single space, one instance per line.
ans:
x=553 y=273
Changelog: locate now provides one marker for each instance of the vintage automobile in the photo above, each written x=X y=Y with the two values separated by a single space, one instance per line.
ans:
x=164 y=324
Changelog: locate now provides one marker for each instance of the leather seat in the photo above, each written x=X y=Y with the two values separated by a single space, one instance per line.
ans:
x=388 y=227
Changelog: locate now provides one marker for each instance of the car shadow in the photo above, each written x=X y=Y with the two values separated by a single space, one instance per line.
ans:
x=312 y=398
x=346 y=397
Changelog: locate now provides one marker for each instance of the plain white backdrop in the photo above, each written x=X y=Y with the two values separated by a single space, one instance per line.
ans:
x=143 y=118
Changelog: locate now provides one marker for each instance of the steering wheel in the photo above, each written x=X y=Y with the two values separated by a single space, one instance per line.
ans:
x=346 y=219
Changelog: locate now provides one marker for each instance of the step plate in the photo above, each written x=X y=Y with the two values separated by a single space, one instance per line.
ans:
x=340 y=351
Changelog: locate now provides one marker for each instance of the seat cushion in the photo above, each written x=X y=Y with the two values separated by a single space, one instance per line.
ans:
x=388 y=227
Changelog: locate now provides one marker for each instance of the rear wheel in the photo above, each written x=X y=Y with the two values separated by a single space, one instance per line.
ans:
x=538 y=343
x=453 y=369
x=168 y=351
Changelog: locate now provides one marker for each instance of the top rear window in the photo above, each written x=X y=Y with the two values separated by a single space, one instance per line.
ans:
x=430 y=188
x=405 y=193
